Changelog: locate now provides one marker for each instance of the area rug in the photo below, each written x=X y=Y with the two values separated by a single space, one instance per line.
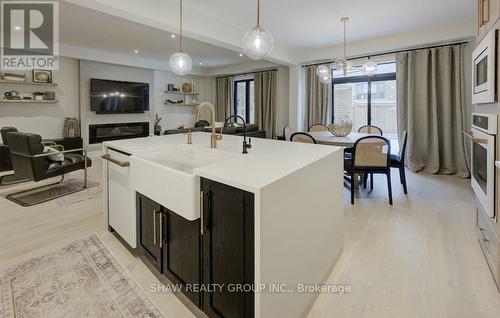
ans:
x=79 y=280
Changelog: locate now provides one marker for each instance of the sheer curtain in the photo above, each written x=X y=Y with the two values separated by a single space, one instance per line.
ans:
x=318 y=99
x=432 y=107
x=265 y=86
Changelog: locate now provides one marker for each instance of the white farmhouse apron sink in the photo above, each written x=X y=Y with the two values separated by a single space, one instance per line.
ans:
x=167 y=176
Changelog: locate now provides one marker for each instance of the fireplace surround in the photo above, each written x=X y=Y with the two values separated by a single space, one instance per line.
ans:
x=104 y=132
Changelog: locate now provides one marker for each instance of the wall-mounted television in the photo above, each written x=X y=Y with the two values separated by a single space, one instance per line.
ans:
x=118 y=97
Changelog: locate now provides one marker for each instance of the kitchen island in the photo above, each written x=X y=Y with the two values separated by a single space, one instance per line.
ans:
x=270 y=219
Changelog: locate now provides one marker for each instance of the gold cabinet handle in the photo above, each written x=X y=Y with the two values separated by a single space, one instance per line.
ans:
x=118 y=162
x=486 y=11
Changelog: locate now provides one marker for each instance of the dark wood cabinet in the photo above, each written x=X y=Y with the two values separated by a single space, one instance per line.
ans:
x=181 y=253
x=215 y=250
x=150 y=223
x=228 y=249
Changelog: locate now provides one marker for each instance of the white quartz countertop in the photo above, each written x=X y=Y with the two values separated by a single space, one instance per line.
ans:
x=267 y=160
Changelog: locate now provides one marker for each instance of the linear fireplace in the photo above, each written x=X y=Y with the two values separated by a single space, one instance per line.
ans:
x=103 y=132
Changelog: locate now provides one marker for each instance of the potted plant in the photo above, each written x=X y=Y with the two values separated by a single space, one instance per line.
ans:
x=157 y=125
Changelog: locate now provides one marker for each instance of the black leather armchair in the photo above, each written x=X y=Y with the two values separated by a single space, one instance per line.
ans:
x=30 y=162
x=5 y=161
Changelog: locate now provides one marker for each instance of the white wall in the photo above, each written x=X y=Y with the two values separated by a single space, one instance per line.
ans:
x=173 y=116
x=46 y=120
x=282 y=98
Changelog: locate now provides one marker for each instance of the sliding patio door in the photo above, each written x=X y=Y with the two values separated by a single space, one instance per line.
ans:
x=367 y=100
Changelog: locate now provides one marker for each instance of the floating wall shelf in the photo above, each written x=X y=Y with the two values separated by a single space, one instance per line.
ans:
x=29 y=101
x=181 y=93
x=26 y=83
x=181 y=104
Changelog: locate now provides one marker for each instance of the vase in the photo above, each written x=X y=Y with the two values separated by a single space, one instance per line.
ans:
x=157 y=130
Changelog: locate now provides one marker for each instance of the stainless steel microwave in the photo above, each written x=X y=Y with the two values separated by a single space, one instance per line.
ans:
x=484 y=70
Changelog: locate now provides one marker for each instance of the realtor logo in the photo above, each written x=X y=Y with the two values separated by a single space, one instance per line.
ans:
x=29 y=35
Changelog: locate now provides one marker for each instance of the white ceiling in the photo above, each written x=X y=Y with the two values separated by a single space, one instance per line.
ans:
x=86 y=28
x=306 y=24
x=216 y=27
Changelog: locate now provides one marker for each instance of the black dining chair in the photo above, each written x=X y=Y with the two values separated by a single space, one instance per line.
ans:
x=302 y=137
x=398 y=161
x=370 y=155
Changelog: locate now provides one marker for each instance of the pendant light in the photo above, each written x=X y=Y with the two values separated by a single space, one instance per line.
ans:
x=342 y=63
x=180 y=63
x=370 y=67
x=258 y=42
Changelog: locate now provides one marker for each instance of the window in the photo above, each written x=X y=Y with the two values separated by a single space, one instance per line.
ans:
x=367 y=100
x=243 y=99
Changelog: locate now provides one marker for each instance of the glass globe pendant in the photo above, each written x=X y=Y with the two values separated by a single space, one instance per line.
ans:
x=370 y=68
x=325 y=79
x=258 y=42
x=322 y=70
x=180 y=63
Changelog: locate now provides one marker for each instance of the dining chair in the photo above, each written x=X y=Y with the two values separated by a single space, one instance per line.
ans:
x=318 y=127
x=302 y=137
x=398 y=161
x=370 y=155
x=287 y=132
x=370 y=129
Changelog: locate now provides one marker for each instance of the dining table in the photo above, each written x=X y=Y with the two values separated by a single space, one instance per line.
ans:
x=327 y=138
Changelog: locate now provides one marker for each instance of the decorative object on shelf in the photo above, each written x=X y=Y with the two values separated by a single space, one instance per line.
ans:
x=180 y=126
x=258 y=42
x=187 y=88
x=370 y=67
x=180 y=63
x=42 y=76
x=14 y=77
x=71 y=128
x=157 y=127
x=39 y=95
x=50 y=95
x=340 y=129
x=179 y=101
x=171 y=88
x=11 y=95
x=26 y=96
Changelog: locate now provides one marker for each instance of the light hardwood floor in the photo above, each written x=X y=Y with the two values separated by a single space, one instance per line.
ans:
x=418 y=258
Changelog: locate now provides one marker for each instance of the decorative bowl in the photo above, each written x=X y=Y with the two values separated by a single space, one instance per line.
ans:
x=187 y=88
x=340 y=130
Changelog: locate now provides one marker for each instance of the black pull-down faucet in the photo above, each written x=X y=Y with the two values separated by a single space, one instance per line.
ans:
x=246 y=145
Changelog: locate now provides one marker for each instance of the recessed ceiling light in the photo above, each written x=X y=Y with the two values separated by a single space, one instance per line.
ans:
x=17 y=27
x=201 y=63
x=172 y=36
x=241 y=54
x=136 y=51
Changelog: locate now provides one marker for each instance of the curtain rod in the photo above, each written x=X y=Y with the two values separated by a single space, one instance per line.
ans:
x=391 y=52
x=248 y=73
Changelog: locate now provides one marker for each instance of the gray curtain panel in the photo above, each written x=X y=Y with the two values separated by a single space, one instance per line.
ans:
x=318 y=99
x=432 y=108
x=265 y=101
x=223 y=98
